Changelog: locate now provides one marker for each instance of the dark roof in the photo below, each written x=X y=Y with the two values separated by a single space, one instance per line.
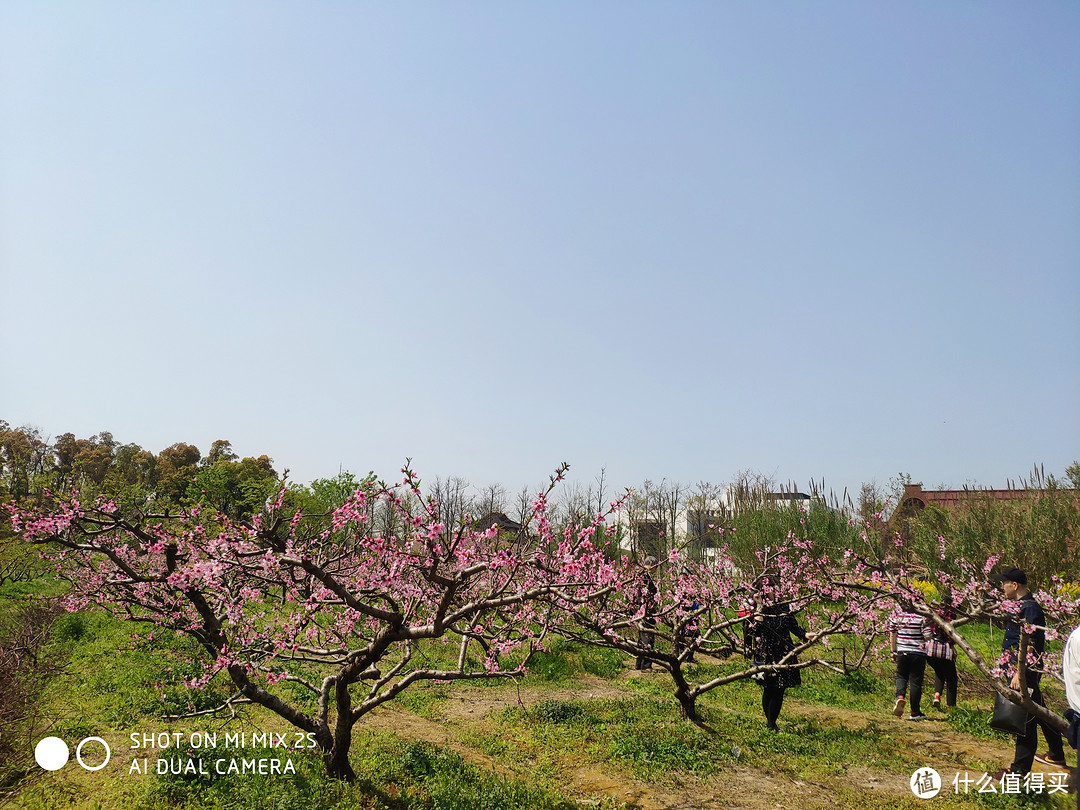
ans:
x=504 y=523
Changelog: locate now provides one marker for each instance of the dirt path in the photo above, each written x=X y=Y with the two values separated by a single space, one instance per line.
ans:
x=737 y=788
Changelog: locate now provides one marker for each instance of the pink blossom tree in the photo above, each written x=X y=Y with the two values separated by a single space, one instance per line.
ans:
x=892 y=578
x=699 y=608
x=323 y=601
x=877 y=574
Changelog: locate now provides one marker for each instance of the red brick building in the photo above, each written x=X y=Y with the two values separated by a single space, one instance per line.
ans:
x=915 y=498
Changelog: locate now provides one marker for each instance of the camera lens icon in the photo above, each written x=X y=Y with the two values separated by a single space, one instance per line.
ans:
x=52 y=753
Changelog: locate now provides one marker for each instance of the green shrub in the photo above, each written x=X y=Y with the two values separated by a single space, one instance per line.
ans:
x=602 y=662
x=421 y=701
x=676 y=749
x=419 y=758
x=557 y=711
x=551 y=666
x=975 y=721
x=859 y=682
x=70 y=627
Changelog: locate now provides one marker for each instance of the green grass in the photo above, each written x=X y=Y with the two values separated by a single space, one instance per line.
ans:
x=565 y=660
x=112 y=683
x=646 y=736
x=149 y=683
x=424 y=700
x=391 y=774
x=109 y=684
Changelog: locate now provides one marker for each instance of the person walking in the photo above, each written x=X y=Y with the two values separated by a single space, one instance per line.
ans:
x=941 y=655
x=767 y=638
x=908 y=634
x=1070 y=673
x=646 y=598
x=1014 y=587
x=687 y=629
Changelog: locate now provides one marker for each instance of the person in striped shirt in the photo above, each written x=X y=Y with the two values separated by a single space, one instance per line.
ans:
x=908 y=634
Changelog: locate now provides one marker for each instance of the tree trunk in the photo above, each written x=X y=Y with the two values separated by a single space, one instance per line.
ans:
x=337 y=761
x=687 y=705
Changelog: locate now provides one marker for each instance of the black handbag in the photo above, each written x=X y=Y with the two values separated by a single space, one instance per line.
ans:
x=1008 y=716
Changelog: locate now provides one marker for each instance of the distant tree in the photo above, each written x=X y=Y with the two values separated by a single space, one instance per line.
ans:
x=706 y=515
x=1072 y=474
x=671 y=505
x=220 y=450
x=65 y=450
x=523 y=506
x=177 y=466
x=601 y=492
x=130 y=468
x=455 y=503
x=94 y=457
x=328 y=494
x=574 y=504
x=180 y=456
x=23 y=457
x=491 y=498
x=871 y=501
x=237 y=488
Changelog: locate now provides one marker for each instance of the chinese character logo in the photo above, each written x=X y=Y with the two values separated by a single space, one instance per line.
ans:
x=925 y=783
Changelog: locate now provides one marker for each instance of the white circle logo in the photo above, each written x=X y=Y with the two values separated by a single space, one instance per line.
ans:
x=78 y=754
x=51 y=753
x=925 y=783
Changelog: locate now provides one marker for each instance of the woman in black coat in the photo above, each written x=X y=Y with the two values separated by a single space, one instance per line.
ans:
x=768 y=631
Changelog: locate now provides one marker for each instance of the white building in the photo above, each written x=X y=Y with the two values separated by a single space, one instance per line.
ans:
x=646 y=530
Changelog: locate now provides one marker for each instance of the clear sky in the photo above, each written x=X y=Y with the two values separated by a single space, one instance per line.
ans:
x=836 y=240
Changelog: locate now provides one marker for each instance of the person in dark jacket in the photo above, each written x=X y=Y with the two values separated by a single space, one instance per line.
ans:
x=767 y=637
x=646 y=596
x=1014 y=586
x=687 y=630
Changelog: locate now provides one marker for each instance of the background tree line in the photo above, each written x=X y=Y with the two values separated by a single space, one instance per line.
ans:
x=742 y=516
x=32 y=465
x=1038 y=533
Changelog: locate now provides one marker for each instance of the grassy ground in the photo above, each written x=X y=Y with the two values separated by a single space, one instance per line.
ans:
x=581 y=730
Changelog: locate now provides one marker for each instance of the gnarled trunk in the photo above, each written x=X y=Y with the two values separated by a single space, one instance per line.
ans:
x=337 y=760
x=687 y=704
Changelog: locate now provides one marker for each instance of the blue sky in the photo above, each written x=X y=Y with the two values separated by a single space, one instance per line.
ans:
x=676 y=240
